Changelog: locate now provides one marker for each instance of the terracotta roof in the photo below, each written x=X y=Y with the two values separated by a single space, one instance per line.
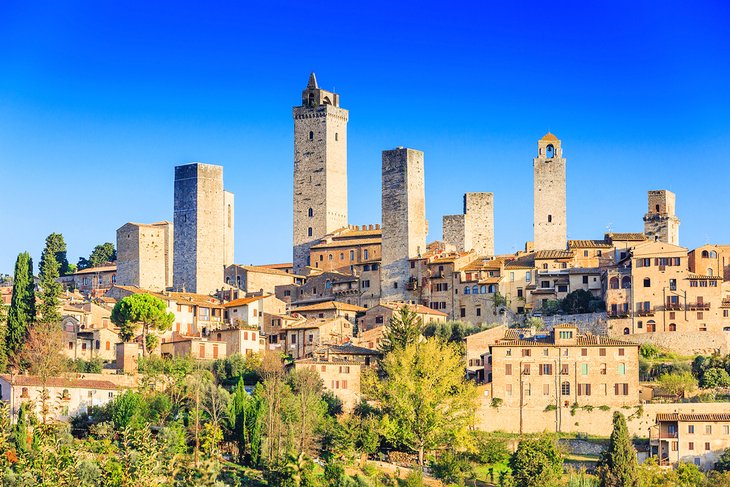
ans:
x=549 y=136
x=418 y=308
x=450 y=257
x=327 y=305
x=76 y=383
x=197 y=299
x=630 y=237
x=94 y=270
x=589 y=244
x=484 y=264
x=581 y=341
x=310 y=324
x=523 y=262
x=244 y=301
x=491 y=280
x=266 y=270
x=553 y=254
x=283 y=265
x=700 y=276
x=708 y=417
x=139 y=290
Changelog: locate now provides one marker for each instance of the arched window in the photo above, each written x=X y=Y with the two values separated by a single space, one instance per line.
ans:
x=321 y=257
x=545 y=266
x=550 y=218
x=309 y=232
x=310 y=213
x=228 y=280
x=311 y=99
x=705 y=254
x=550 y=151
x=311 y=135
x=626 y=282
x=475 y=289
x=650 y=326
x=672 y=327
x=713 y=254
x=329 y=257
x=491 y=289
x=483 y=289
x=709 y=271
x=613 y=283
x=626 y=331
x=467 y=290
x=565 y=388
x=647 y=282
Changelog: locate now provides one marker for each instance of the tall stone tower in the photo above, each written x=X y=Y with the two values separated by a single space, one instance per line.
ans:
x=474 y=230
x=320 y=169
x=201 y=227
x=550 y=225
x=404 y=220
x=144 y=255
x=660 y=222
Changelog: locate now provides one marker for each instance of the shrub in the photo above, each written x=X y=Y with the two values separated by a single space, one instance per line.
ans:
x=452 y=467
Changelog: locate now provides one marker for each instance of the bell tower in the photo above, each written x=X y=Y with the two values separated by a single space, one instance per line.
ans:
x=320 y=169
x=550 y=227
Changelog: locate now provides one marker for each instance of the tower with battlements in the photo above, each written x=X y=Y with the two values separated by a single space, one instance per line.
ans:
x=320 y=169
x=550 y=225
x=660 y=222
x=474 y=229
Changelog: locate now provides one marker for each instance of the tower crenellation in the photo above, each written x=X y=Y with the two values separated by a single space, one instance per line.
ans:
x=320 y=169
x=550 y=225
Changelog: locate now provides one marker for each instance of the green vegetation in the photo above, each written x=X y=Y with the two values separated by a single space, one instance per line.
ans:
x=50 y=270
x=101 y=255
x=22 y=305
x=145 y=311
x=618 y=465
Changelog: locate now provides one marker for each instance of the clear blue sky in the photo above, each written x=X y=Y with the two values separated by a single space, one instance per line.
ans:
x=100 y=100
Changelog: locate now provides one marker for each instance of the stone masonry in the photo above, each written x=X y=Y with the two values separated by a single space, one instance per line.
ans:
x=660 y=222
x=550 y=225
x=230 y=210
x=200 y=228
x=320 y=169
x=404 y=220
x=144 y=255
x=474 y=230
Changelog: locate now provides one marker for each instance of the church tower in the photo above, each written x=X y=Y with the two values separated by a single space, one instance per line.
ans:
x=320 y=169
x=550 y=225
x=660 y=222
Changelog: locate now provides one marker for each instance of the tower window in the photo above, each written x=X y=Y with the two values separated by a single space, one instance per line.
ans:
x=336 y=137
x=309 y=232
x=311 y=135
x=310 y=213
x=550 y=218
x=550 y=151
x=657 y=208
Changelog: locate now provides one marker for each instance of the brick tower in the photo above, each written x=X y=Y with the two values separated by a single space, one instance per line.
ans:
x=474 y=230
x=550 y=225
x=660 y=222
x=320 y=169
x=404 y=220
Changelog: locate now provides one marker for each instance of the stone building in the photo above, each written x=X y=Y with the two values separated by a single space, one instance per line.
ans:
x=660 y=222
x=303 y=338
x=690 y=437
x=564 y=368
x=320 y=169
x=203 y=222
x=550 y=225
x=144 y=255
x=710 y=260
x=381 y=314
x=473 y=230
x=346 y=248
x=257 y=279
x=404 y=221
x=95 y=281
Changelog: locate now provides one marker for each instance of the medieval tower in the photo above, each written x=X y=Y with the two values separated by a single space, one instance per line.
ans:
x=320 y=169
x=660 y=222
x=474 y=230
x=550 y=225
x=404 y=220
x=203 y=223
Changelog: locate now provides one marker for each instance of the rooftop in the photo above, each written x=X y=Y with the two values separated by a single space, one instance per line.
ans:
x=549 y=136
x=244 y=301
x=709 y=417
x=75 y=383
x=418 y=308
x=328 y=305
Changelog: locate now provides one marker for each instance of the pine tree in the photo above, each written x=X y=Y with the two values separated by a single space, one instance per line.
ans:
x=22 y=305
x=56 y=245
x=618 y=466
x=404 y=328
x=49 y=273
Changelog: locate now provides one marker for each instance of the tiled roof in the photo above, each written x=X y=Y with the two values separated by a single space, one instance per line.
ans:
x=244 y=301
x=700 y=276
x=491 y=280
x=626 y=237
x=327 y=305
x=553 y=254
x=549 y=136
x=418 y=308
x=450 y=257
x=589 y=244
x=708 y=417
x=197 y=299
x=94 y=270
x=485 y=264
x=347 y=243
x=266 y=270
x=139 y=290
x=581 y=341
x=523 y=262
x=311 y=324
x=33 y=381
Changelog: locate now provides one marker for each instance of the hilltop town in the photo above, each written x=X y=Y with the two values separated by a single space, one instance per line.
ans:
x=556 y=337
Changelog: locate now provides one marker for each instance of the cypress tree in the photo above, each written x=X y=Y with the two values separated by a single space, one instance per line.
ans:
x=50 y=288
x=618 y=466
x=22 y=305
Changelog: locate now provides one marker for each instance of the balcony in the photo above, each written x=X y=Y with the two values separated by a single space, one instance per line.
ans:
x=644 y=312
x=698 y=306
x=618 y=314
x=674 y=307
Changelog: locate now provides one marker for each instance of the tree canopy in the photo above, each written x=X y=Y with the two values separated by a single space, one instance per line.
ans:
x=101 y=255
x=618 y=465
x=141 y=310
x=403 y=329
x=537 y=462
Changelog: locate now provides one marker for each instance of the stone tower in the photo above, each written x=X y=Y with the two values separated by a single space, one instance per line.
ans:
x=144 y=255
x=320 y=169
x=660 y=222
x=550 y=225
x=404 y=220
x=474 y=230
x=202 y=213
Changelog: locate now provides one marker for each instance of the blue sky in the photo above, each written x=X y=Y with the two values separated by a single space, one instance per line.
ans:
x=100 y=100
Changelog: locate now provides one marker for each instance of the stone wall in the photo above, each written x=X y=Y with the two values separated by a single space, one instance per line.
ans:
x=702 y=343
x=230 y=225
x=144 y=255
x=479 y=223
x=453 y=231
x=404 y=219
x=320 y=171
x=596 y=323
